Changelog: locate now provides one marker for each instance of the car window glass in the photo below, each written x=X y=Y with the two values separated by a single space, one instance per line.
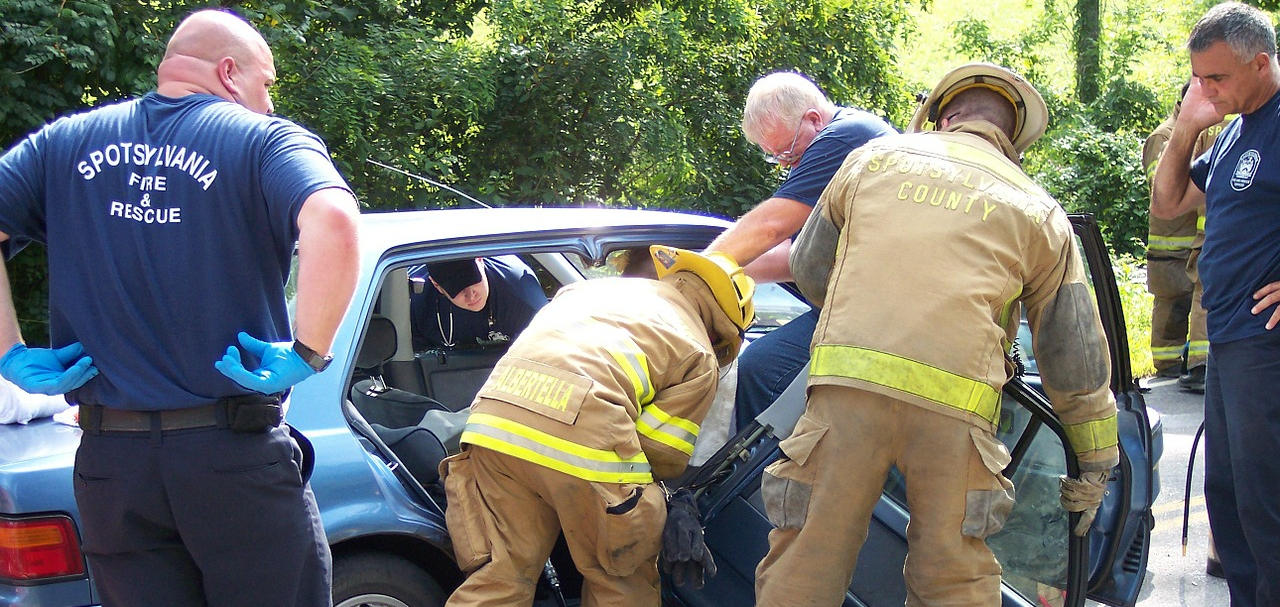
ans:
x=775 y=306
x=1032 y=546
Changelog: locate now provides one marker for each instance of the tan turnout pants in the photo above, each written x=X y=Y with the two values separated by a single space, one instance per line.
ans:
x=820 y=497
x=504 y=515
x=1171 y=307
x=1198 y=331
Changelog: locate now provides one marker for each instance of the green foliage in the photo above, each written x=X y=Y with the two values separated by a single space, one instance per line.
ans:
x=29 y=281
x=1090 y=158
x=1091 y=170
x=644 y=111
x=1131 y=278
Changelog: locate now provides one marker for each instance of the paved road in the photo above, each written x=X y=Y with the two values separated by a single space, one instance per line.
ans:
x=1172 y=579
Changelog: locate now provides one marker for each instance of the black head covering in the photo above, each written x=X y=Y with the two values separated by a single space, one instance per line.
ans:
x=454 y=276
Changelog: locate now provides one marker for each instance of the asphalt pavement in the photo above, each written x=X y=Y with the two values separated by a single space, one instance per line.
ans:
x=1174 y=580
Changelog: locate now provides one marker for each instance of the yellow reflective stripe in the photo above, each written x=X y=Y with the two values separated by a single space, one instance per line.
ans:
x=1200 y=223
x=635 y=365
x=529 y=444
x=1008 y=308
x=1092 y=435
x=675 y=432
x=1198 y=347
x=1166 y=352
x=906 y=375
x=1169 y=243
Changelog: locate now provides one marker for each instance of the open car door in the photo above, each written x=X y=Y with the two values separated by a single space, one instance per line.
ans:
x=1044 y=565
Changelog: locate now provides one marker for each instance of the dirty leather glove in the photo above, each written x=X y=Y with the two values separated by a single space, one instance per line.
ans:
x=684 y=552
x=1083 y=495
x=47 y=371
x=279 y=367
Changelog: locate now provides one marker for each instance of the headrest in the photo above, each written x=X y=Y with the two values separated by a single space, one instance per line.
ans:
x=379 y=343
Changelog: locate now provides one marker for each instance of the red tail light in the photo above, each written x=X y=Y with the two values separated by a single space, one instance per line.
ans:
x=39 y=548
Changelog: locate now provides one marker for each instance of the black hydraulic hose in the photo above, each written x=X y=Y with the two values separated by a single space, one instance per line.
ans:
x=553 y=580
x=1186 y=497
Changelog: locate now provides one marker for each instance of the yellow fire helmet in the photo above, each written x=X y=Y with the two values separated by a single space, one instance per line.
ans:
x=1032 y=114
x=731 y=286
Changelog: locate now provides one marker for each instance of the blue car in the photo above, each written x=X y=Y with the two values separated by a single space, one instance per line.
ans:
x=384 y=412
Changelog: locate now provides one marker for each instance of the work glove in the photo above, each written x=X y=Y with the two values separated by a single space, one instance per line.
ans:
x=684 y=552
x=1083 y=495
x=279 y=366
x=45 y=370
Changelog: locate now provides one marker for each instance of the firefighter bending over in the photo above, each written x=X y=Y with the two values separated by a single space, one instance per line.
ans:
x=601 y=396
x=939 y=236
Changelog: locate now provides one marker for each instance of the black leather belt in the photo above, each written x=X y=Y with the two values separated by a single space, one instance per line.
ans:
x=96 y=418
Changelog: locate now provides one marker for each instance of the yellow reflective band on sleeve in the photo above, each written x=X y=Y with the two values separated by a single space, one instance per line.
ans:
x=1200 y=223
x=1092 y=435
x=1166 y=352
x=1169 y=243
x=906 y=375
x=636 y=366
x=1198 y=347
x=536 y=446
x=675 y=432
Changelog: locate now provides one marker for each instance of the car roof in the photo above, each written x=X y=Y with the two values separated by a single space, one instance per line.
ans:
x=381 y=231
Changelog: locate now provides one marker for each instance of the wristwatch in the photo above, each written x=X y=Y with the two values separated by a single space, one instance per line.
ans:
x=311 y=357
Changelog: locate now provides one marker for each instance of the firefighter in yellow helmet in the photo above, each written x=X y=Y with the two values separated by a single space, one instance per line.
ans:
x=599 y=398
x=921 y=251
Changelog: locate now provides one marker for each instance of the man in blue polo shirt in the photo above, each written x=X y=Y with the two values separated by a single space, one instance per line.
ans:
x=1233 y=61
x=170 y=221
x=796 y=127
x=470 y=302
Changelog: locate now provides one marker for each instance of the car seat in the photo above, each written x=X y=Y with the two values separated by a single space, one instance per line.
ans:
x=377 y=402
x=419 y=430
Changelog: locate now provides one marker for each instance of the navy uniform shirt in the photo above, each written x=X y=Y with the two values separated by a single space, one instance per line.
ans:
x=170 y=225
x=1240 y=177
x=848 y=129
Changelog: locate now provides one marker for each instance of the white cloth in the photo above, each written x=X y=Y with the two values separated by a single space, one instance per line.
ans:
x=717 y=427
x=20 y=407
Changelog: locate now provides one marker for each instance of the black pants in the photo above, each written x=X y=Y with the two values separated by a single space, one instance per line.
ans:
x=1241 y=427
x=200 y=517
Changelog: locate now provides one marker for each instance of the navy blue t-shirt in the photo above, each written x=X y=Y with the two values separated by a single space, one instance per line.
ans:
x=514 y=297
x=169 y=225
x=1240 y=177
x=848 y=129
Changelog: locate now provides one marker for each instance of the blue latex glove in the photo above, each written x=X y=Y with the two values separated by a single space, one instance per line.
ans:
x=278 y=370
x=47 y=371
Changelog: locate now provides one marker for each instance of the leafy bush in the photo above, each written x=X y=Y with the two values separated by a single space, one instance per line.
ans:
x=1131 y=277
x=1090 y=170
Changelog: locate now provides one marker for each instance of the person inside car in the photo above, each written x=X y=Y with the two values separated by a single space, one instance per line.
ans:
x=473 y=302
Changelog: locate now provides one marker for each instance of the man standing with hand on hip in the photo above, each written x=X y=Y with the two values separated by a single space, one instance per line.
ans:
x=1234 y=70
x=170 y=222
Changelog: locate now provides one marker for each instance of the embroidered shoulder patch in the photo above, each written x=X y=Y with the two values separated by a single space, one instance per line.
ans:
x=1246 y=168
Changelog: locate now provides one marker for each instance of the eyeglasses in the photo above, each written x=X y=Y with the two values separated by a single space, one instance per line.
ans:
x=788 y=156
